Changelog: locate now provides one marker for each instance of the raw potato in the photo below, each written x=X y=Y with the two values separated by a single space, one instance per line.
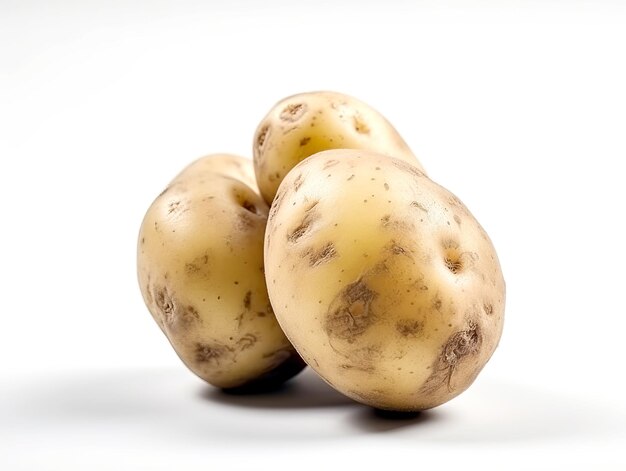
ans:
x=382 y=279
x=307 y=123
x=200 y=267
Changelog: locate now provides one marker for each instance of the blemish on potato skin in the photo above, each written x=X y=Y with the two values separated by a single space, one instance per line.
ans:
x=350 y=313
x=211 y=353
x=262 y=138
x=360 y=125
x=330 y=163
x=436 y=303
x=304 y=141
x=247 y=300
x=164 y=304
x=276 y=204
x=310 y=216
x=457 y=219
x=417 y=204
x=397 y=249
x=293 y=112
x=191 y=268
x=457 y=349
x=364 y=368
x=409 y=327
x=247 y=341
x=488 y=308
x=406 y=167
x=298 y=182
x=323 y=255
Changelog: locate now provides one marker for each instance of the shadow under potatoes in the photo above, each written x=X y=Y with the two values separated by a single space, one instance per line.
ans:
x=307 y=390
x=378 y=421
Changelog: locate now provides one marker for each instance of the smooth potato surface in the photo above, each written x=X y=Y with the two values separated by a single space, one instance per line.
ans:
x=307 y=123
x=200 y=269
x=382 y=279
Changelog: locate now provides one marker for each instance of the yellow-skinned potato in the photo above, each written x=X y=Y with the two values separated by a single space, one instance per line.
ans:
x=304 y=124
x=200 y=269
x=383 y=280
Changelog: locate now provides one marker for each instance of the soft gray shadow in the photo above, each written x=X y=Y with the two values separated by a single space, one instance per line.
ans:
x=305 y=391
x=502 y=412
x=173 y=407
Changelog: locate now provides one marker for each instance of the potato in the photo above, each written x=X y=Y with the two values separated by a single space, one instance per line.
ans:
x=200 y=268
x=382 y=279
x=304 y=124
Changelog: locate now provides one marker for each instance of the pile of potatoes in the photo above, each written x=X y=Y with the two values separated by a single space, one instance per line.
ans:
x=332 y=249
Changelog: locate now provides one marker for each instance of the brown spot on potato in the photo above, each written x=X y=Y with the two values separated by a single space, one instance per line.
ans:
x=409 y=327
x=261 y=138
x=418 y=205
x=350 y=313
x=304 y=141
x=293 y=112
x=323 y=255
x=187 y=315
x=191 y=268
x=350 y=177
x=436 y=303
x=488 y=308
x=453 y=264
x=276 y=204
x=164 y=304
x=406 y=167
x=247 y=300
x=211 y=353
x=396 y=224
x=364 y=368
x=330 y=163
x=297 y=183
x=456 y=350
x=247 y=341
x=457 y=219
x=360 y=125
x=386 y=185
x=397 y=249
x=310 y=216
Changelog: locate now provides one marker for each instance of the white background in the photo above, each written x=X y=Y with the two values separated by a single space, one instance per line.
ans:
x=517 y=107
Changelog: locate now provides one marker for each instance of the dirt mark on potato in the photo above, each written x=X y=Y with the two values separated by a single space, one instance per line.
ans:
x=172 y=313
x=261 y=138
x=310 y=216
x=409 y=327
x=459 y=347
x=297 y=183
x=360 y=125
x=212 y=353
x=293 y=112
x=406 y=167
x=321 y=256
x=350 y=314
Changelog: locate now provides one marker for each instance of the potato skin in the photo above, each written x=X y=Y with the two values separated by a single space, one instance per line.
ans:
x=383 y=280
x=304 y=124
x=200 y=270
